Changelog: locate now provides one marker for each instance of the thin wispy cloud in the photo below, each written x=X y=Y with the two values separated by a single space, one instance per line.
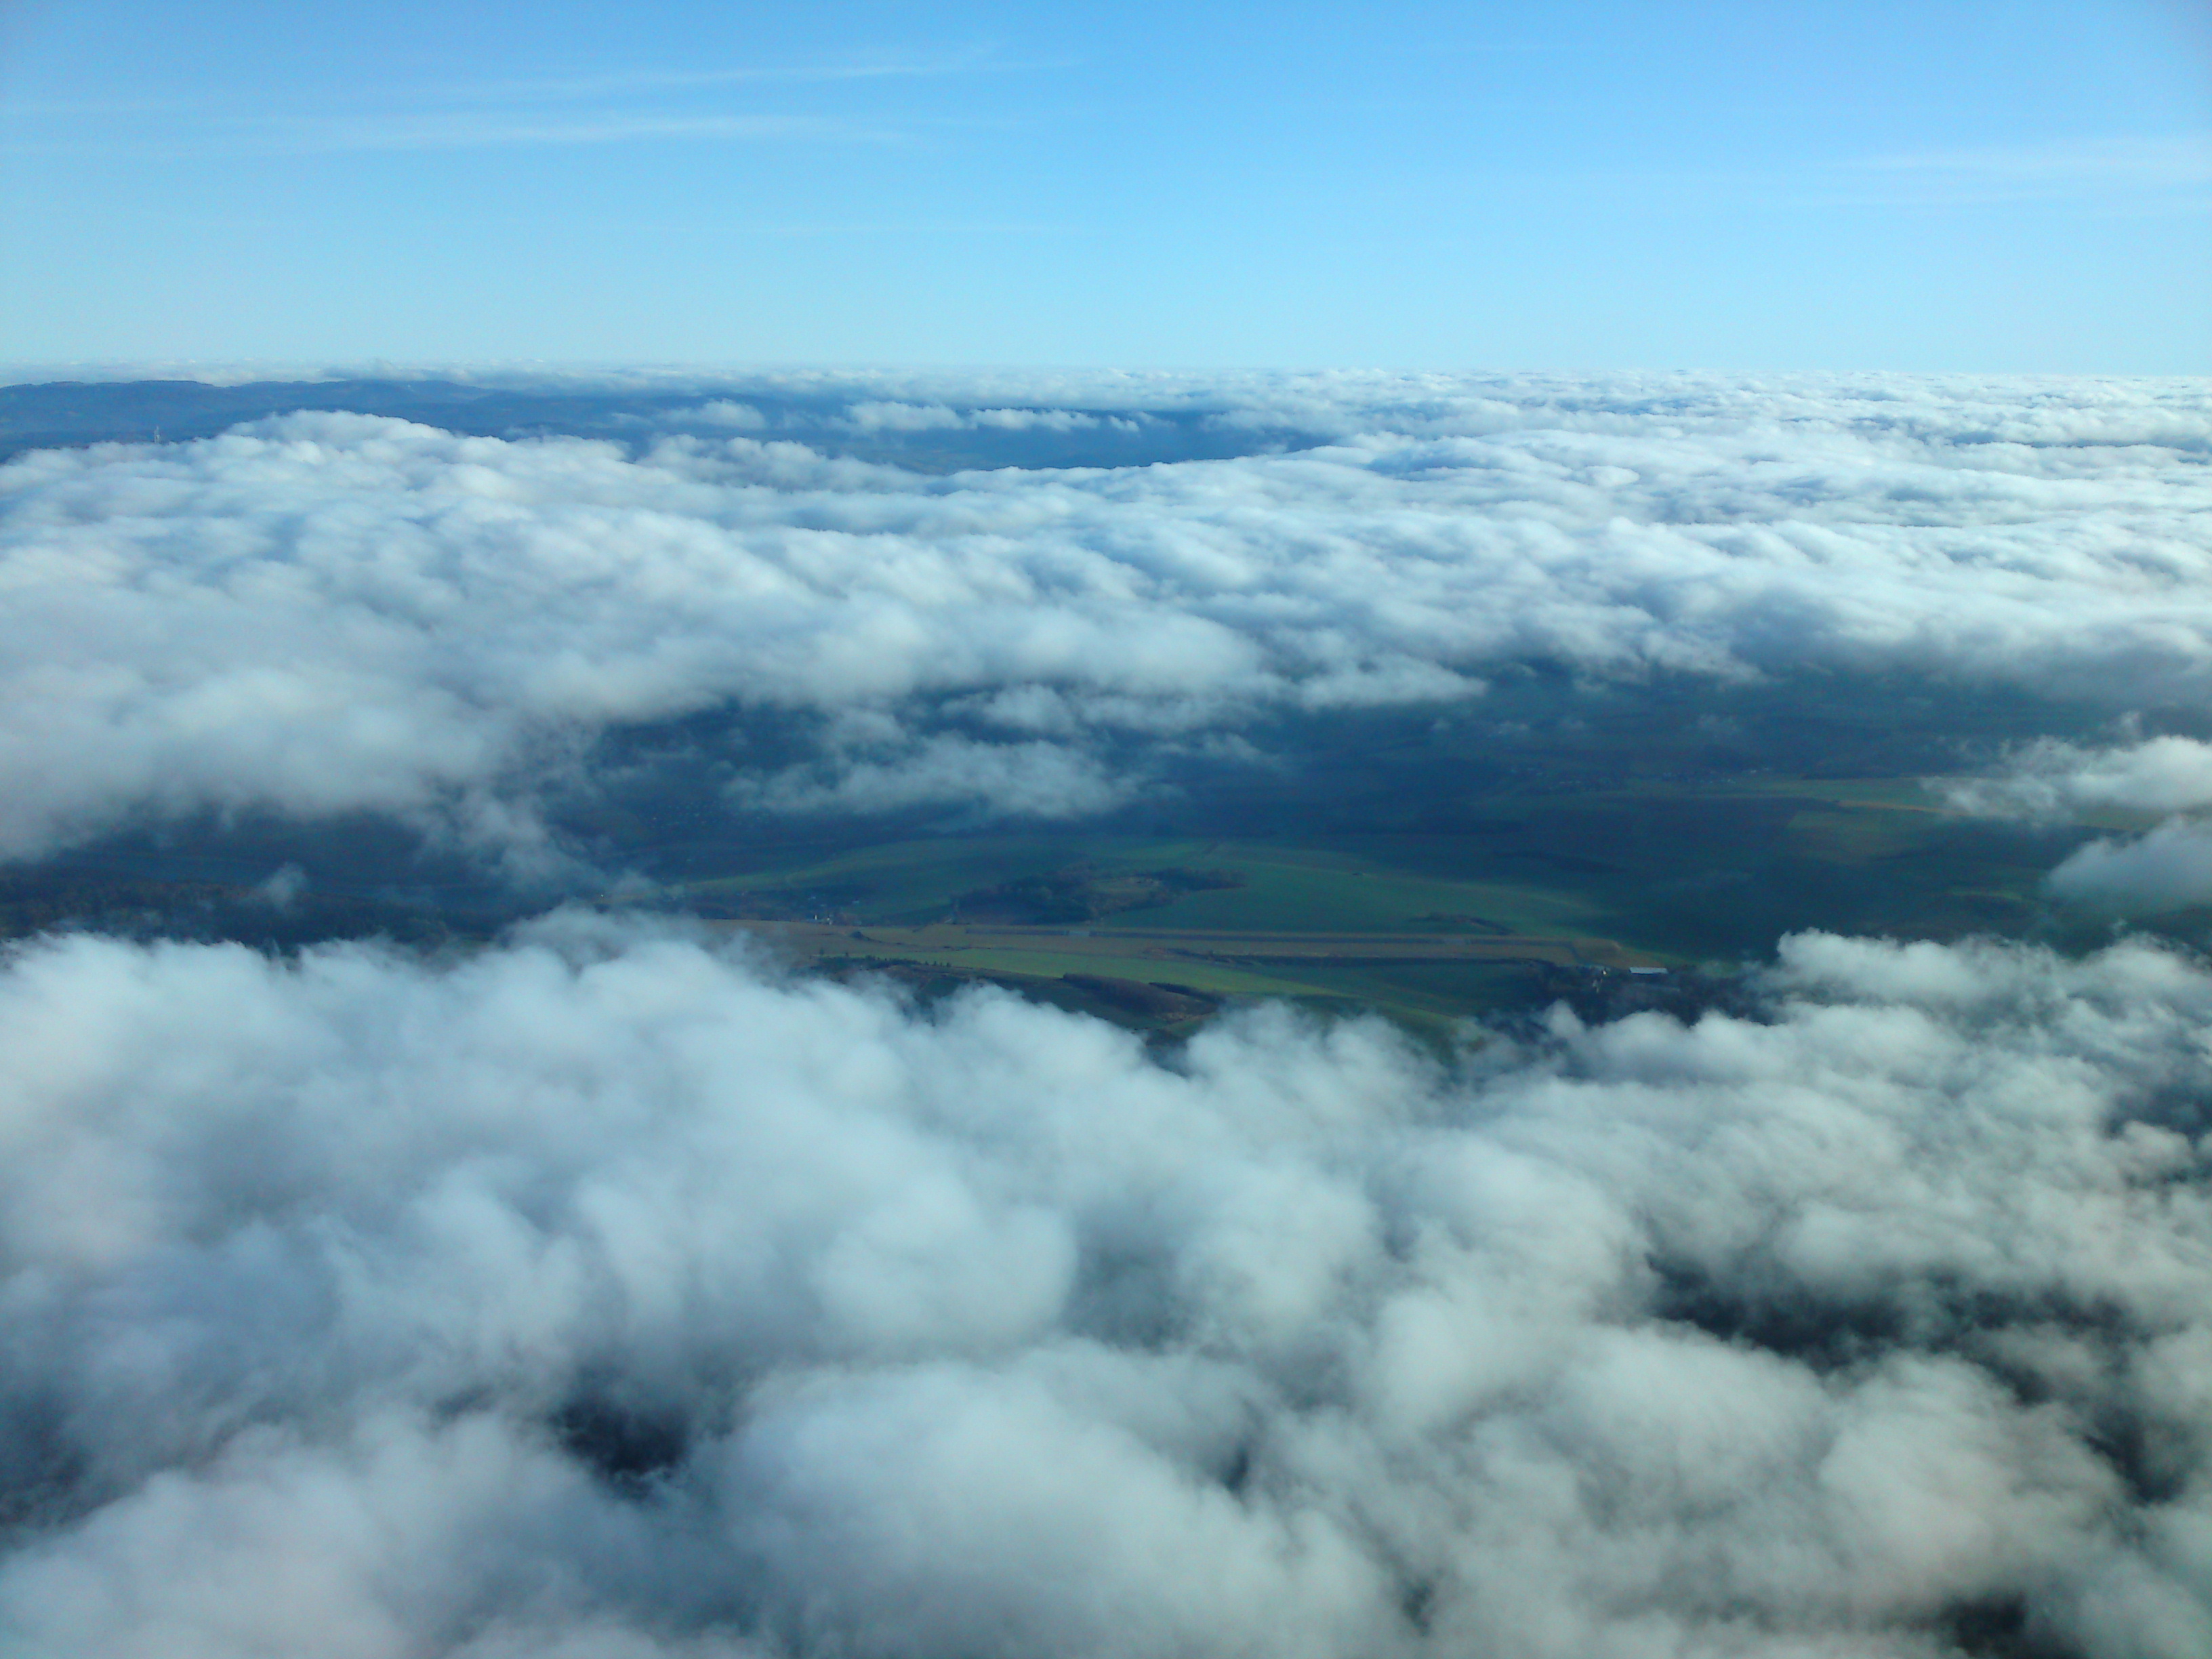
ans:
x=480 y=129
x=2118 y=165
x=630 y=82
x=623 y=107
x=458 y=129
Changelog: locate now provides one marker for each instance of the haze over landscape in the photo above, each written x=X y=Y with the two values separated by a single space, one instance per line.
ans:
x=654 y=1010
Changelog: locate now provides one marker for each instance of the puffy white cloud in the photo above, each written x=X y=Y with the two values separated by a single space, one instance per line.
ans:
x=2168 y=869
x=723 y=411
x=327 y=613
x=607 y=1293
x=879 y=417
x=2054 y=779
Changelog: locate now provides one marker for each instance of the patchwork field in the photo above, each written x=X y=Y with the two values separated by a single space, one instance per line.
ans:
x=1423 y=923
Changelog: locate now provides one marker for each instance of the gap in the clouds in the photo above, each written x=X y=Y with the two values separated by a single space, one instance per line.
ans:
x=1531 y=844
x=43 y=1470
x=629 y=1447
x=2002 y=1627
x=276 y=884
x=1756 y=1302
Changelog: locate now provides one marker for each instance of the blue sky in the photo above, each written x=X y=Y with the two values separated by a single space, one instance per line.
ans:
x=1981 y=185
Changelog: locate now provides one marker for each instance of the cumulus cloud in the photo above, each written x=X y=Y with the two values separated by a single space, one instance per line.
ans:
x=2166 y=869
x=2050 y=779
x=327 y=613
x=607 y=1293
x=723 y=411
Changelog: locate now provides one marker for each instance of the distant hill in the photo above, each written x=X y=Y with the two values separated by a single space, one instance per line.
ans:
x=63 y=414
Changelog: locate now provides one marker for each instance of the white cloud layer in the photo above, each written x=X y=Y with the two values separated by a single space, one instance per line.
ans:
x=324 y=613
x=605 y=1296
